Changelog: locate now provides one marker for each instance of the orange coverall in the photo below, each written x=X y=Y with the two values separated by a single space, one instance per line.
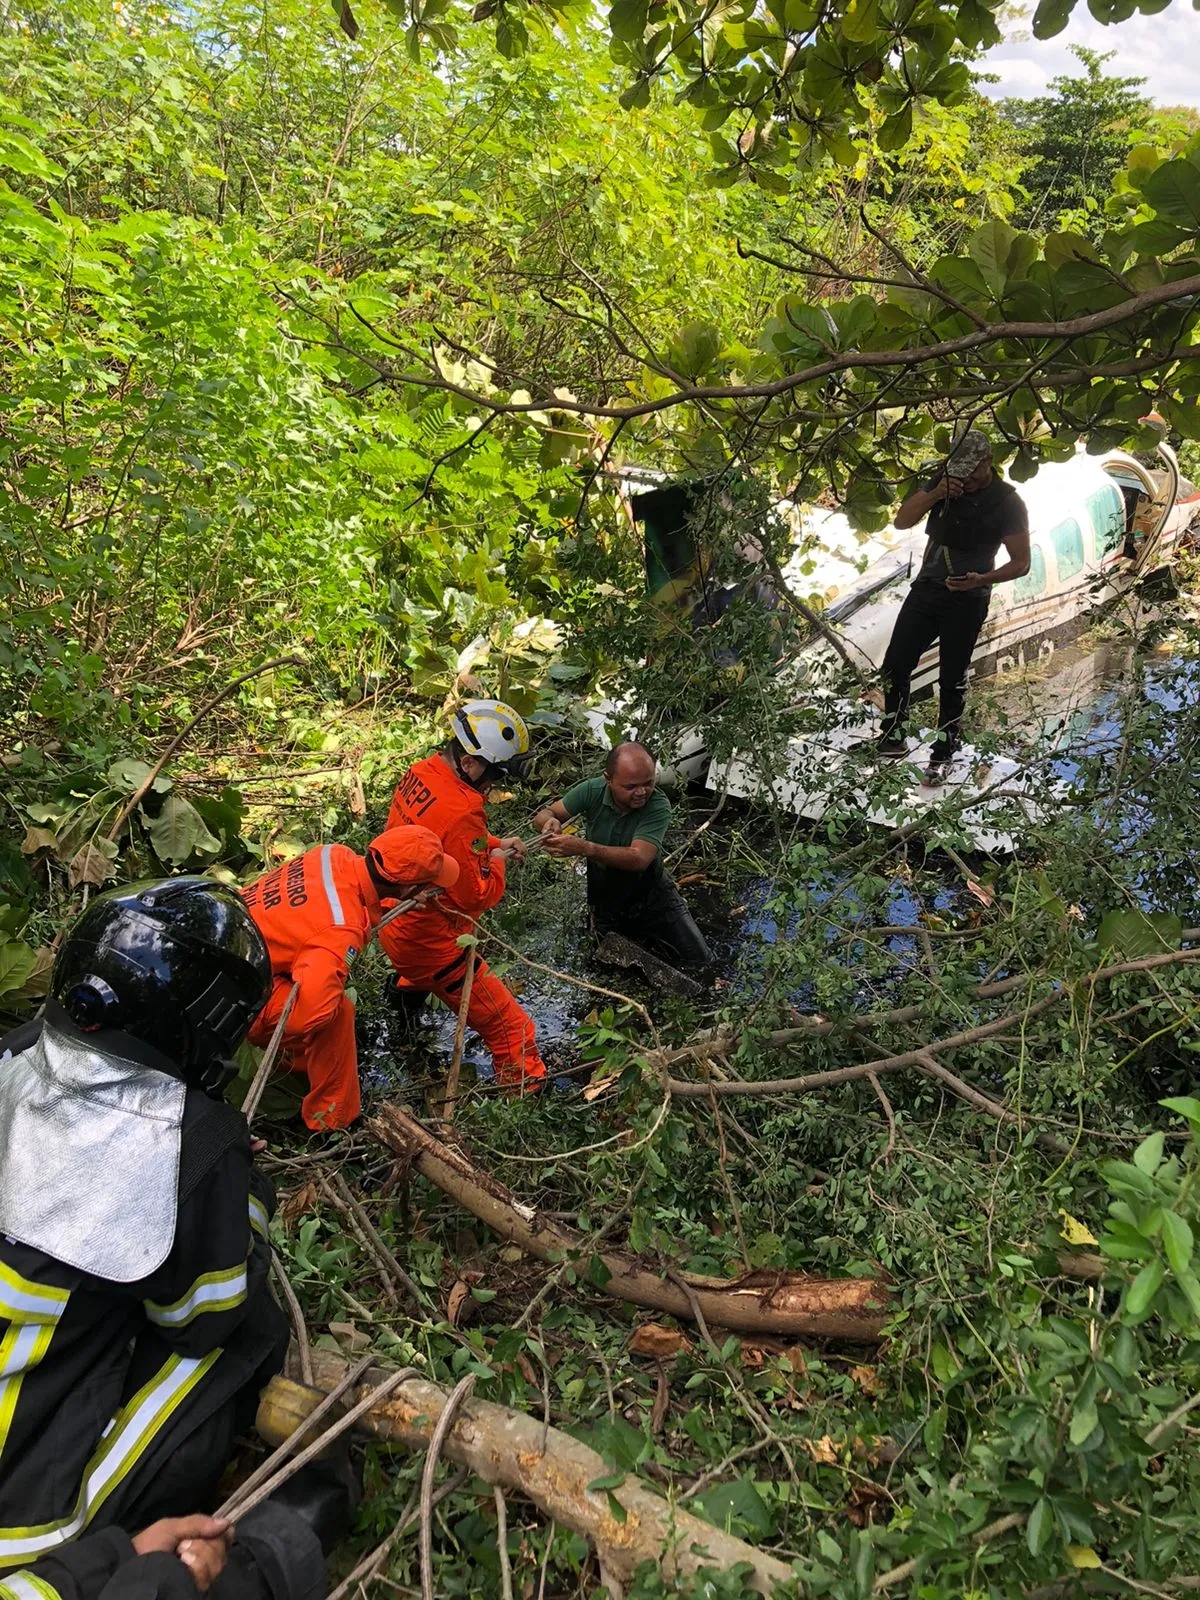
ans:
x=316 y=912
x=423 y=947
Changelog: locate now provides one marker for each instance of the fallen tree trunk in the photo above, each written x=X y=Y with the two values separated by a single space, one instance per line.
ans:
x=765 y=1302
x=550 y=1468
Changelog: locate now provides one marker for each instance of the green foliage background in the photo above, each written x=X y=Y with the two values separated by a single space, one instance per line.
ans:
x=307 y=349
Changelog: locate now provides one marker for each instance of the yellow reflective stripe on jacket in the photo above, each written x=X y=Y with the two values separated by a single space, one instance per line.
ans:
x=33 y=1310
x=124 y=1443
x=27 y=1586
x=213 y=1291
x=23 y=1300
x=259 y=1219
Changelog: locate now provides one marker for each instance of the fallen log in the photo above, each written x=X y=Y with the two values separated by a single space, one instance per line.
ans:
x=550 y=1468
x=766 y=1302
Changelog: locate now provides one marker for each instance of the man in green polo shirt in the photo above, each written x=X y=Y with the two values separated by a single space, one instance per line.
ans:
x=628 y=890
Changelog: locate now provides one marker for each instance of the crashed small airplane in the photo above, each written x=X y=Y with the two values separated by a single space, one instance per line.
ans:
x=1100 y=526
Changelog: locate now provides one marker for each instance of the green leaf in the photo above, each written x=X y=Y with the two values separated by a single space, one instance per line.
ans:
x=627 y=20
x=178 y=832
x=1148 y=1155
x=737 y=1507
x=1136 y=933
x=695 y=350
x=1140 y=1294
x=1184 y=1106
x=990 y=247
x=130 y=774
x=1174 y=191
x=1051 y=17
x=1083 y=1424
x=860 y=20
x=1177 y=1241
x=1190 y=1285
x=896 y=130
x=1039 y=1527
x=615 y=1509
x=609 y=1480
x=17 y=961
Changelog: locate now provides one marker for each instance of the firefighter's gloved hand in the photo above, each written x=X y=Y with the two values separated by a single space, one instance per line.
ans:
x=512 y=846
x=201 y=1543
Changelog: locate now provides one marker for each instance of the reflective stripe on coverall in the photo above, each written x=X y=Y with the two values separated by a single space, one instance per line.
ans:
x=120 y=1402
x=423 y=945
x=316 y=912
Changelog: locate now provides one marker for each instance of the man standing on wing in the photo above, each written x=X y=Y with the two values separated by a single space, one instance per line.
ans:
x=629 y=890
x=971 y=512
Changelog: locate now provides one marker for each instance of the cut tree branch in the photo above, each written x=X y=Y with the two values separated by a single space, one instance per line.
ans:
x=768 y=1301
x=550 y=1468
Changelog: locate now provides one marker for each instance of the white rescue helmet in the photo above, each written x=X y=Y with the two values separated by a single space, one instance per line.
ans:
x=493 y=732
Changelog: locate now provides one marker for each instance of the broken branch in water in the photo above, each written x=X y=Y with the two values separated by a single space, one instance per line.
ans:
x=766 y=1301
x=725 y=1044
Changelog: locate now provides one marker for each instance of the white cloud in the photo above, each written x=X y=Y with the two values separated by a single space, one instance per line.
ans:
x=1165 y=50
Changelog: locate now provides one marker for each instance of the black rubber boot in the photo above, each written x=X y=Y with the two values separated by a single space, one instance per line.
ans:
x=407 y=1004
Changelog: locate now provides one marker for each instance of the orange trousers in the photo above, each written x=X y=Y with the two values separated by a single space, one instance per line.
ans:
x=328 y=1057
x=504 y=1026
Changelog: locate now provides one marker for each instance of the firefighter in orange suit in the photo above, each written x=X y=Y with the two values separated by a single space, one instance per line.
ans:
x=316 y=912
x=446 y=792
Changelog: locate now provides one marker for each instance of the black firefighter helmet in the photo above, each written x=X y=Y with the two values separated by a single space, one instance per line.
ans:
x=177 y=963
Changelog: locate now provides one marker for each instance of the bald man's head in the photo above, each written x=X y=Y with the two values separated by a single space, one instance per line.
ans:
x=630 y=770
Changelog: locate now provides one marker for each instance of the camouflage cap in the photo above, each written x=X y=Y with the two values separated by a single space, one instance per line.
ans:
x=971 y=449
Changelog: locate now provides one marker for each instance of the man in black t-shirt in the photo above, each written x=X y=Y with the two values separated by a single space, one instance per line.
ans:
x=972 y=512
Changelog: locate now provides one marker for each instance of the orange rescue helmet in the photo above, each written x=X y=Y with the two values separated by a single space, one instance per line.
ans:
x=407 y=855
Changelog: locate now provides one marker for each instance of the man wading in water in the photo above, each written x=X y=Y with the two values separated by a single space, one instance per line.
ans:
x=972 y=512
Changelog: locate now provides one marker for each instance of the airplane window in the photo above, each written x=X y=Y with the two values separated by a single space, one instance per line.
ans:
x=1106 y=509
x=1068 y=549
x=1034 y=581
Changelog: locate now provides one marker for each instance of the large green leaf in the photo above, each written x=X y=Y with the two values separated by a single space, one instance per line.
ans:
x=737 y=1507
x=17 y=962
x=178 y=831
x=1136 y=933
x=989 y=247
x=129 y=774
x=1174 y=191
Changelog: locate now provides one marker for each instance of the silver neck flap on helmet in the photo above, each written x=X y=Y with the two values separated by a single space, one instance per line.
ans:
x=89 y=1156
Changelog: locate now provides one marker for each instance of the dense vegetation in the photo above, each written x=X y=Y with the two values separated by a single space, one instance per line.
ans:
x=325 y=355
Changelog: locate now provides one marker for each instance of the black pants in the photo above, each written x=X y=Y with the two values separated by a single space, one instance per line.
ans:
x=659 y=921
x=954 y=619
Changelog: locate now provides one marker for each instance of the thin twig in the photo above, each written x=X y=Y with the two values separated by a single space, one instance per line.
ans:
x=506 y=1588
x=370 y=1564
x=550 y=1535
x=245 y=1503
x=292 y=1442
x=139 y=793
x=299 y=1327
x=385 y=1257
x=460 y=1036
x=445 y=1422
x=888 y=1113
x=1164 y=1427
x=255 y=1092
